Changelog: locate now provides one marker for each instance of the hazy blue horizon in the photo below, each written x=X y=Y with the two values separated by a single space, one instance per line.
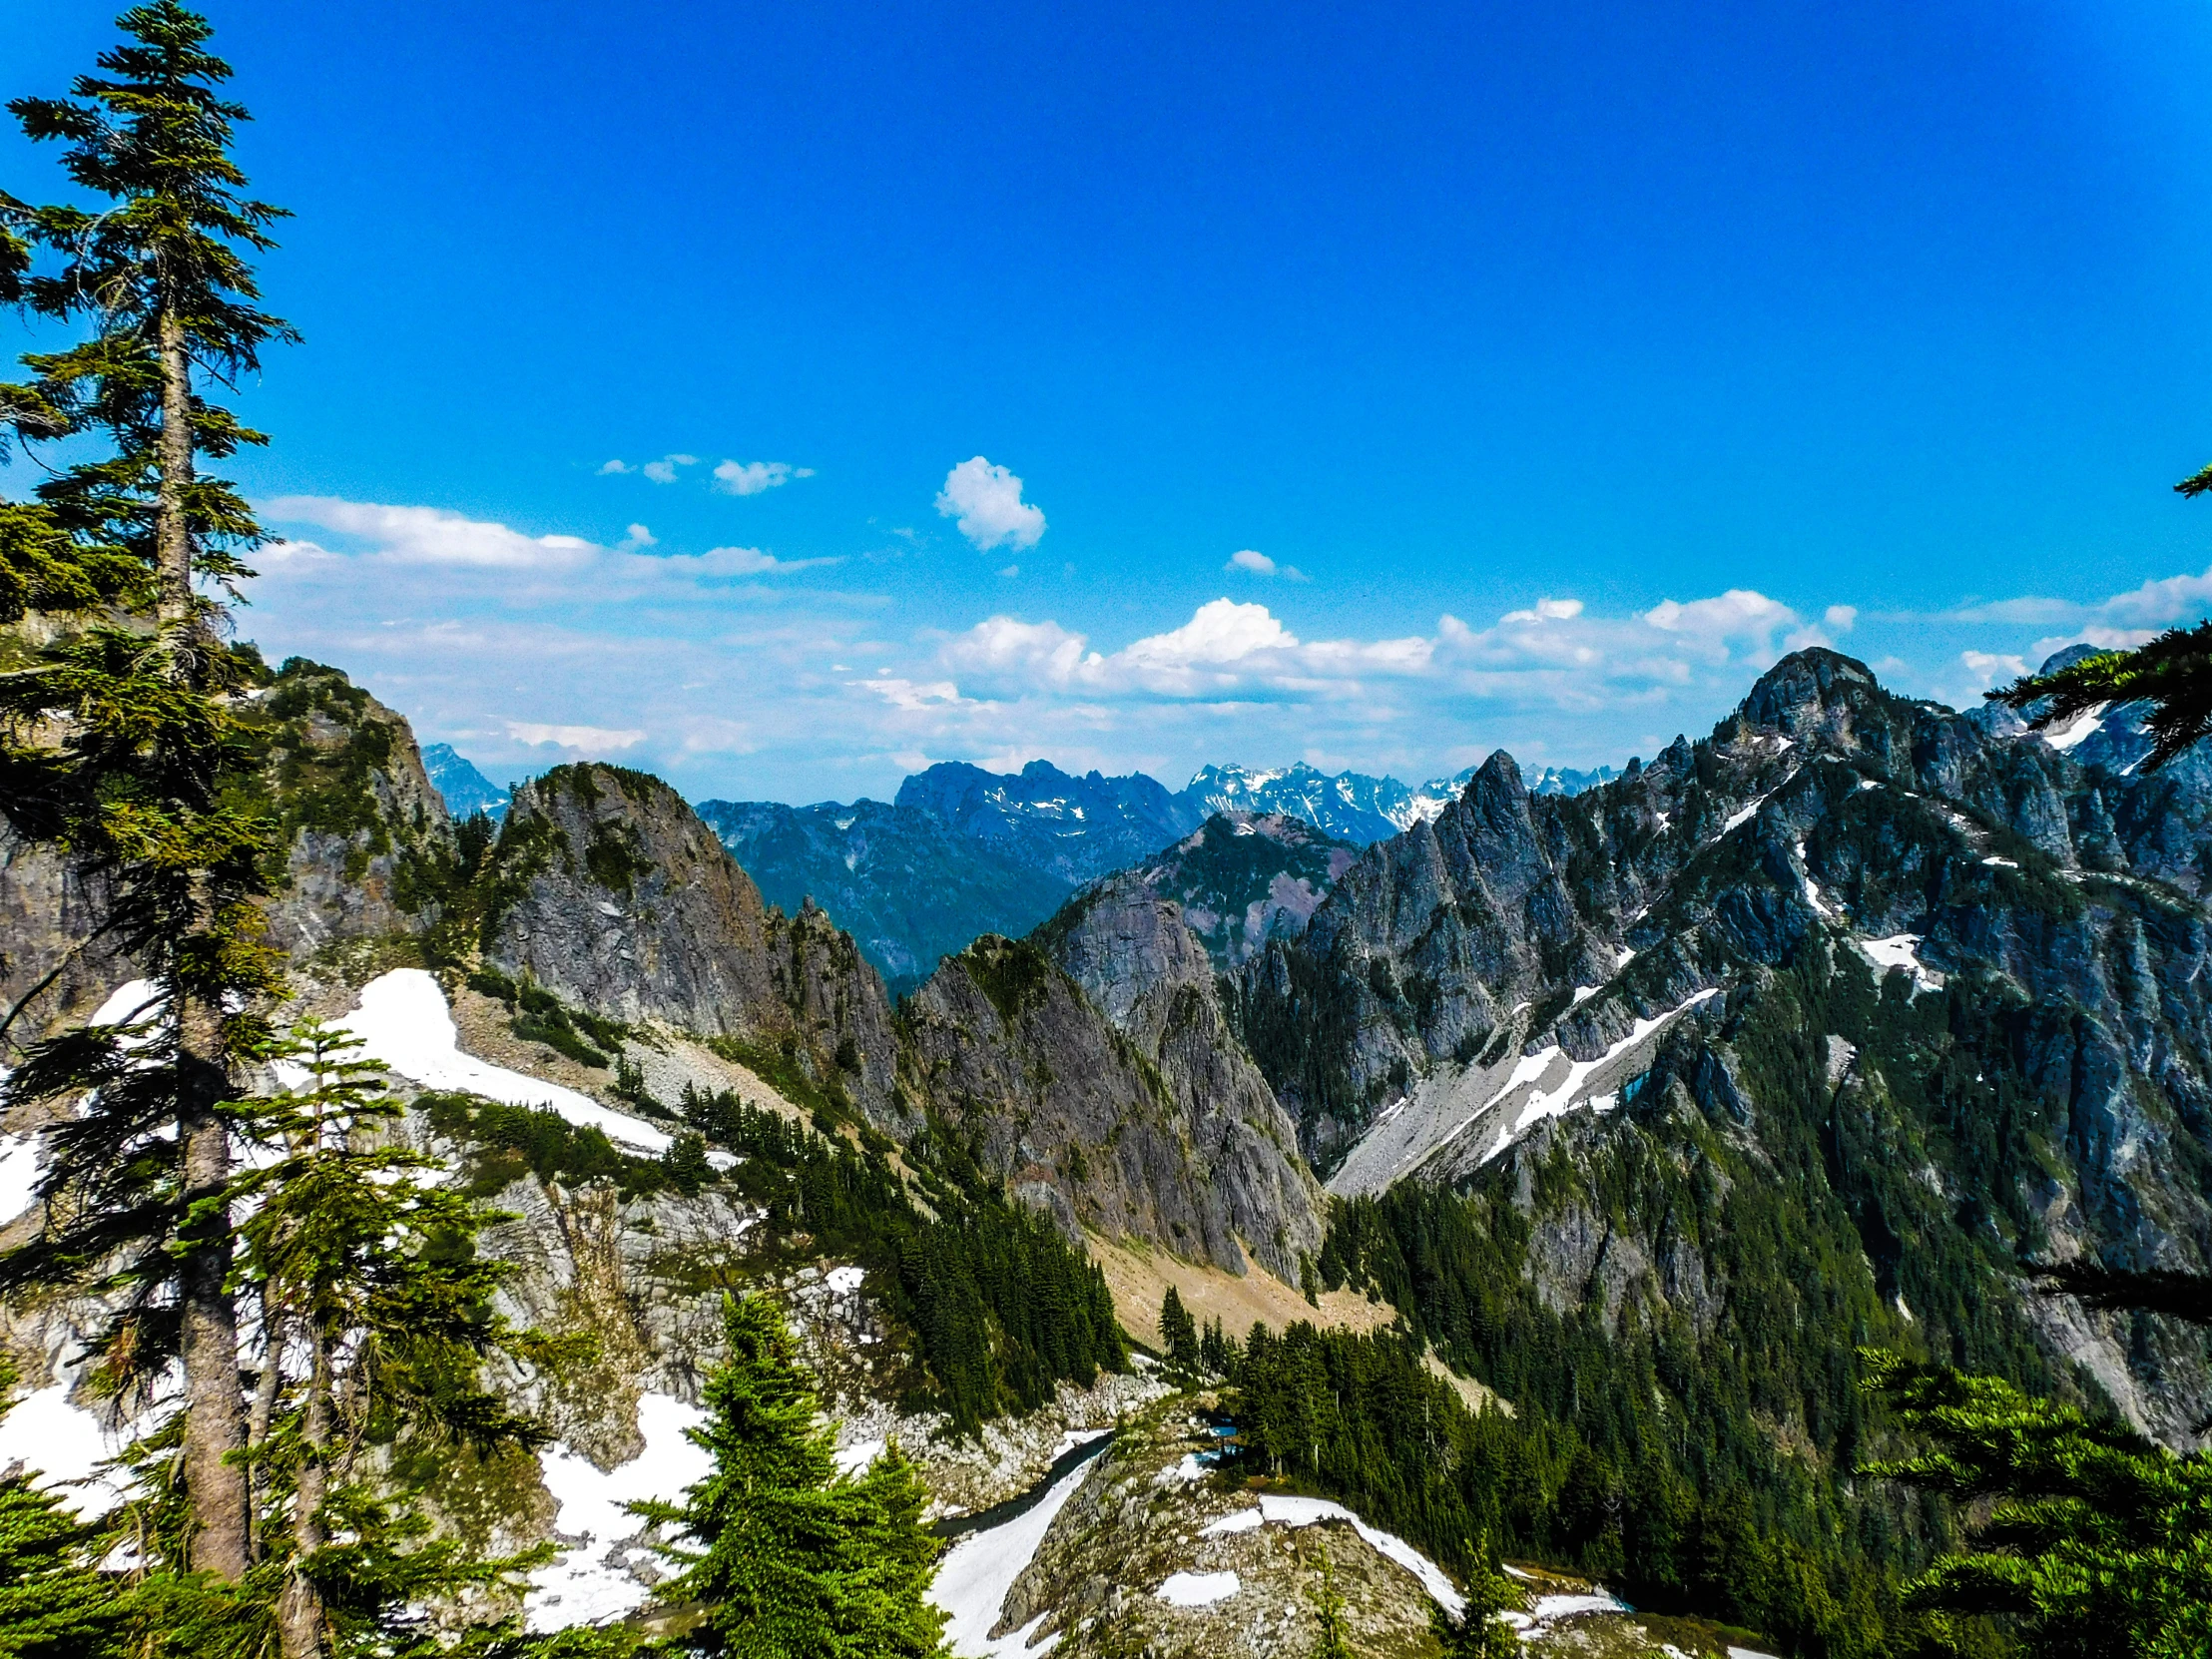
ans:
x=783 y=403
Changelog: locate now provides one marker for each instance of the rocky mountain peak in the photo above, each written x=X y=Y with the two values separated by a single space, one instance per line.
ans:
x=1815 y=693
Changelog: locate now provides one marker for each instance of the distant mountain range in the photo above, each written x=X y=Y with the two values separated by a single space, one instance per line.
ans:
x=964 y=851
x=464 y=788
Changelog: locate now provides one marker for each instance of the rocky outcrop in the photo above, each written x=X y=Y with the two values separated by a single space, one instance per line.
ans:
x=367 y=830
x=2022 y=911
x=1140 y=964
x=1064 y=1107
x=364 y=832
x=612 y=894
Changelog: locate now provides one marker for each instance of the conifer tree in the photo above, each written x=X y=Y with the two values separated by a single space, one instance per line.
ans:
x=54 y=1602
x=793 y=1561
x=2091 y=1542
x=376 y=1310
x=1328 y=1611
x=1178 y=1335
x=1478 y=1633
x=141 y=787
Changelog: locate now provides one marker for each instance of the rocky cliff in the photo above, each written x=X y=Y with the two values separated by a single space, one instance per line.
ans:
x=608 y=890
x=1989 y=943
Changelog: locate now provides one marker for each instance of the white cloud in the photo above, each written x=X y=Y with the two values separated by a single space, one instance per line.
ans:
x=1010 y=570
x=663 y=471
x=1256 y=563
x=555 y=565
x=752 y=477
x=1547 y=610
x=612 y=468
x=1841 y=618
x=584 y=739
x=988 y=501
x=1992 y=669
x=431 y=535
x=2138 y=612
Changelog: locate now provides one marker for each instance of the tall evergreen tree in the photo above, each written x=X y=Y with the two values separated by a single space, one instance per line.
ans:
x=142 y=787
x=375 y=1312
x=794 y=1561
x=1178 y=1333
x=2088 y=1540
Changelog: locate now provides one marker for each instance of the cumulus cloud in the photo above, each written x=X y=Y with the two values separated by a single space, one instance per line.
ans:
x=2136 y=614
x=431 y=535
x=1255 y=563
x=554 y=565
x=1227 y=649
x=583 y=738
x=663 y=471
x=752 y=477
x=1994 y=668
x=614 y=468
x=988 y=501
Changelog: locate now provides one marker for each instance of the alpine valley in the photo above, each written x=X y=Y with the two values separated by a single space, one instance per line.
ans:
x=1532 y=1160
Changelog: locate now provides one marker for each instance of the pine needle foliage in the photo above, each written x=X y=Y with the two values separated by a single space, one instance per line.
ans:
x=376 y=1318
x=55 y=1601
x=122 y=743
x=2172 y=673
x=795 y=1562
x=2089 y=1541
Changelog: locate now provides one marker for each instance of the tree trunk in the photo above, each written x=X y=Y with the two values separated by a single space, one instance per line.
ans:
x=172 y=528
x=299 y=1607
x=215 y=1411
x=266 y=1387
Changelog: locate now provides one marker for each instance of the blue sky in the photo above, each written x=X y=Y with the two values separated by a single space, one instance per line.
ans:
x=1558 y=366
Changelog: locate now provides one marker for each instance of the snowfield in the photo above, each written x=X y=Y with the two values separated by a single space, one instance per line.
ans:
x=975 y=1574
x=585 y=1584
x=1308 y=1511
x=1198 y=1589
x=406 y=1027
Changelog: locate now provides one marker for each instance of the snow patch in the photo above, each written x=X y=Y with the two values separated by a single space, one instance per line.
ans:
x=406 y=1027
x=1901 y=950
x=584 y=1584
x=2067 y=736
x=2001 y=864
x=65 y=1446
x=844 y=1281
x=1309 y=1511
x=851 y=1460
x=19 y=1165
x=1198 y=1589
x=1565 y=1606
x=1244 y=1521
x=975 y=1574
x=1554 y=1101
x=1742 y=815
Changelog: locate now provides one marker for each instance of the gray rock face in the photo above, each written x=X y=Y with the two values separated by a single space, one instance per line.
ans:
x=2044 y=898
x=358 y=819
x=365 y=818
x=1076 y=1116
x=1139 y=965
x=625 y=902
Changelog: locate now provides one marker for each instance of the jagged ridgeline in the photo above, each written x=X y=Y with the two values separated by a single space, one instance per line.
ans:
x=1650 y=1107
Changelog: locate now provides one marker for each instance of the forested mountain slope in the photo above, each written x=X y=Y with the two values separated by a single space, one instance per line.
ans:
x=1942 y=977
